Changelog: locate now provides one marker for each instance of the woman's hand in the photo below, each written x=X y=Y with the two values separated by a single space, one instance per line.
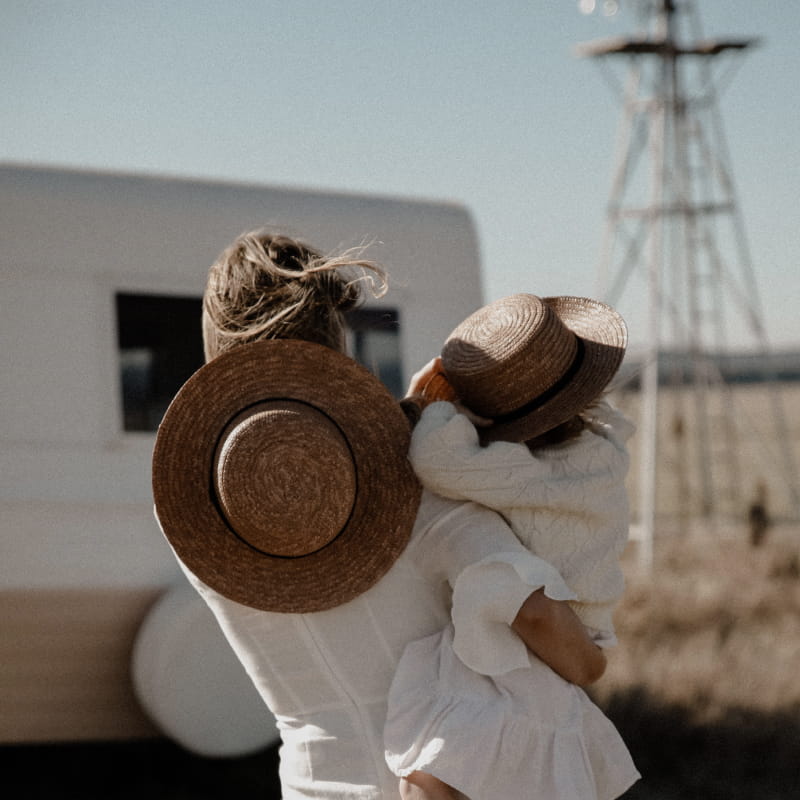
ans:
x=552 y=631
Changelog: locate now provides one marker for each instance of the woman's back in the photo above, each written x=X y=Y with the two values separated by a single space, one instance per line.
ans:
x=326 y=675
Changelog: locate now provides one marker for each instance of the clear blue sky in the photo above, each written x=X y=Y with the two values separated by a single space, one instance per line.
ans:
x=482 y=103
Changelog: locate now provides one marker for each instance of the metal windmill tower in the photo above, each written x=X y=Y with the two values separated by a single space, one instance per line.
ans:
x=673 y=217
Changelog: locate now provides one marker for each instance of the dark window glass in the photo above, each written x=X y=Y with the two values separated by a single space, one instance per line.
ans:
x=160 y=346
x=375 y=343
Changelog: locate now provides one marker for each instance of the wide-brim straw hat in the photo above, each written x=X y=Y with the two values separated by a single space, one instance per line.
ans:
x=281 y=478
x=530 y=363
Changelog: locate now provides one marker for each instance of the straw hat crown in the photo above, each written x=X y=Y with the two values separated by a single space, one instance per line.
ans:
x=284 y=478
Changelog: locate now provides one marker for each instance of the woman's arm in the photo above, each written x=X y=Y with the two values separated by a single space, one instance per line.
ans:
x=552 y=631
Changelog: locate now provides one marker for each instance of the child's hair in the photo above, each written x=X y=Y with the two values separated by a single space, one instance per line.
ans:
x=565 y=432
x=571 y=429
x=270 y=286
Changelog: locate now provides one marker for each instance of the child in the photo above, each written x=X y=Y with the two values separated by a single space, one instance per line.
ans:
x=551 y=459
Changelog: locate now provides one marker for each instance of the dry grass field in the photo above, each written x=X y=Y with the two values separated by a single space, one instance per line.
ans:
x=705 y=684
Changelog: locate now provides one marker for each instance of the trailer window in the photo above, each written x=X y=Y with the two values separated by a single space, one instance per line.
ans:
x=160 y=346
x=375 y=342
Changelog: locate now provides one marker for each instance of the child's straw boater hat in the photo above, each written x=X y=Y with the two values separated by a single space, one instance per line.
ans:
x=280 y=476
x=530 y=363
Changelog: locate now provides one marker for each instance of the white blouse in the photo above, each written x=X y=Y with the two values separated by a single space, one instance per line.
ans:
x=326 y=675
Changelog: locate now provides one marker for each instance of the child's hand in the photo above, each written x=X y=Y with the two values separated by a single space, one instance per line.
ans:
x=421 y=378
x=430 y=384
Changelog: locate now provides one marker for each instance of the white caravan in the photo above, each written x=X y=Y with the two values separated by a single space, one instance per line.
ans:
x=101 y=282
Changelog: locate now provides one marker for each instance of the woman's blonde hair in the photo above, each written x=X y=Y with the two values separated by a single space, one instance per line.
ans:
x=270 y=286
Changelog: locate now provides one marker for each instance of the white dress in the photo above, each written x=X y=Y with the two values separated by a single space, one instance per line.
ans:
x=326 y=675
x=469 y=703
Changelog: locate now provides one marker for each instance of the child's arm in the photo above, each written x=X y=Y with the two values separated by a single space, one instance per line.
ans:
x=448 y=458
x=552 y=631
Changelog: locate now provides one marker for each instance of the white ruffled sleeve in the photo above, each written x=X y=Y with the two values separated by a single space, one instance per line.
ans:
x=491 y=574
x=487 y=597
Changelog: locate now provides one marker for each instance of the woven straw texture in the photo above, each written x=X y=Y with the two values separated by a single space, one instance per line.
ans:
x=531 y=363
x=280 y=476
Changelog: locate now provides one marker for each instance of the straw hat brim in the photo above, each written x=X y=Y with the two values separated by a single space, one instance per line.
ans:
x=603 y=337
x=376 y=431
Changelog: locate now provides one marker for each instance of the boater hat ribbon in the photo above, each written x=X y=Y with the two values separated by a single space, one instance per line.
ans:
x=549 y=393
x=280 y=476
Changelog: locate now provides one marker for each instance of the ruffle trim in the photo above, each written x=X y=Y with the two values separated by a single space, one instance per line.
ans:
x=475 y=748
x=487 y=596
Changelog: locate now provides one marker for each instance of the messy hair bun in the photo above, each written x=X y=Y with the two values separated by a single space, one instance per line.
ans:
x=270 y=286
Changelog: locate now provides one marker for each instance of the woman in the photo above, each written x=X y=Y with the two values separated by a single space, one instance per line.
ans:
x=281 y=481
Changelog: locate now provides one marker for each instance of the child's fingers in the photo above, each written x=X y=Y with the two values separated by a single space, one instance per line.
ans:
x=439 y=388
x=430 y=384
x=421 y=378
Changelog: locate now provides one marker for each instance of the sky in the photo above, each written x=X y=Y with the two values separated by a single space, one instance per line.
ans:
x=485 y=104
